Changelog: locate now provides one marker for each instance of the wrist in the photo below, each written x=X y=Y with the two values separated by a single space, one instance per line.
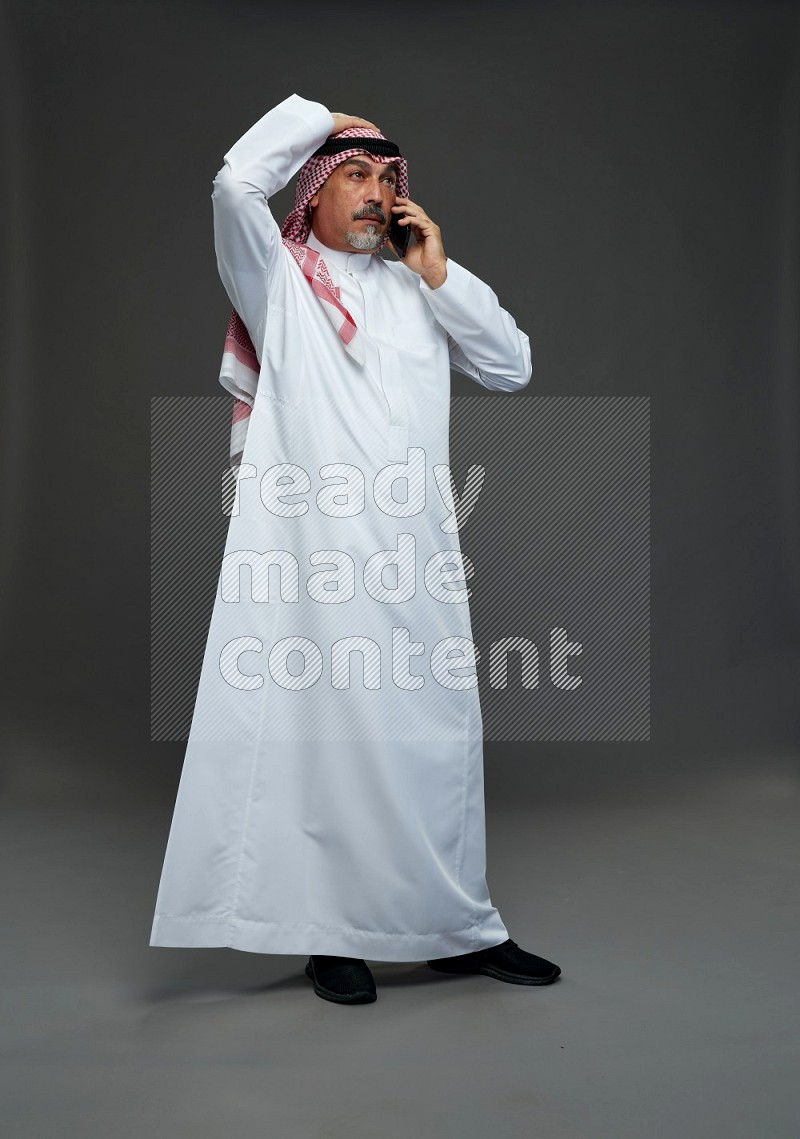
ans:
x=436 y=276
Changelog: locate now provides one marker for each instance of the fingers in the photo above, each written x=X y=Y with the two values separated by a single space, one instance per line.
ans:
x=343 y=121
x=409 y=207
x=414 y=214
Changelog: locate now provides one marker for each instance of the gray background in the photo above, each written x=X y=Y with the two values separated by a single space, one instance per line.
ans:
x=626 y=177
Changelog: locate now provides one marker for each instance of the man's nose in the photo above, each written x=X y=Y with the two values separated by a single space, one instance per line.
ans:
x=378 y=191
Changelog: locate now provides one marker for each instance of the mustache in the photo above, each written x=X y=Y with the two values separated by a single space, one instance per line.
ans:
x=367 y=211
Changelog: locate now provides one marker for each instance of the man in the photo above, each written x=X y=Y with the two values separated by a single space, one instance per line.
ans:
x=320 y=811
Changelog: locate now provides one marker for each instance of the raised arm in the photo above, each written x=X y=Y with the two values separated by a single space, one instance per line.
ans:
x=247 y=238
x=483 y=338
x=485 y=343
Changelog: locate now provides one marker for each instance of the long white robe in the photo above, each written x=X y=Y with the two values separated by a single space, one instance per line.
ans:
x=332 y=801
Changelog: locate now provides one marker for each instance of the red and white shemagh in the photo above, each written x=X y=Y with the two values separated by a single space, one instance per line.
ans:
x=240 y=364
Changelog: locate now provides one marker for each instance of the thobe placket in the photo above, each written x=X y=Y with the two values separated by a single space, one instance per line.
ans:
x=362 y=298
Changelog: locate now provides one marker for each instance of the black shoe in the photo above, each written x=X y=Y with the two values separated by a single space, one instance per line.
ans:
x=506 y=962
x=346 y=980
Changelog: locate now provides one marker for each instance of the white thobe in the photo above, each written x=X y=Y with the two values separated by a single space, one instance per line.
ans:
x=331 y=798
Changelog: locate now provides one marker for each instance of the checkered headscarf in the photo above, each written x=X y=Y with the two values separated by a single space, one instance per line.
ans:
x=317 y=170
x=240 y=365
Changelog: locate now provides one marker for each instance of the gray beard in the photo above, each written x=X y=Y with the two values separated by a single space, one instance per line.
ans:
x=369 y=240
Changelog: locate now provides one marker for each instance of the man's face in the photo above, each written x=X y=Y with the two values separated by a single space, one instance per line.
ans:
x=352 y=209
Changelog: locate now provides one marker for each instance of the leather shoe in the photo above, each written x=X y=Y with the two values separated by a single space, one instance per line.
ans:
x=346 y=980
x=506 y=962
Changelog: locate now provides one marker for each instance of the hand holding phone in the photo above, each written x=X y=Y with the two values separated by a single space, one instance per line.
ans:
x=427 y=256
x=399 y=235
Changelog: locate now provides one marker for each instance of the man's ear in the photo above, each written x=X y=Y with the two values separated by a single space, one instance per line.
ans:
x=314 y=201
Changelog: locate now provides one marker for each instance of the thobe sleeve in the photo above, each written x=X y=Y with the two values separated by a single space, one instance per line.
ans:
x=247 y=238
x=483 y=338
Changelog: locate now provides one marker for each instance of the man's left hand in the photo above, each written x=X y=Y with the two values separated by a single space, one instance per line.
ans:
x=427 y=256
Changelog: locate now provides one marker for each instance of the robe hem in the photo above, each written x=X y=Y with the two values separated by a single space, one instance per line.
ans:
x=277 y=937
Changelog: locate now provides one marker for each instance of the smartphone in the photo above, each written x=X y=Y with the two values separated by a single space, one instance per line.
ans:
x=400 y=235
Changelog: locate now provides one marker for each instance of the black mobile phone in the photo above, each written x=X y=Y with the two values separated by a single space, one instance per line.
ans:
x=400 y=235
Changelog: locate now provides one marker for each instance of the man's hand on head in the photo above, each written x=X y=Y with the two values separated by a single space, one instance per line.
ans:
x=427 y=257
x=342 y=122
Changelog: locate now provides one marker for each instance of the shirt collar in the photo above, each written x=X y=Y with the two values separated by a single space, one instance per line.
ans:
x=350 y=262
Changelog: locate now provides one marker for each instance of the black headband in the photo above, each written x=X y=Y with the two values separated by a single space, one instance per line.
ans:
x=373 y=145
